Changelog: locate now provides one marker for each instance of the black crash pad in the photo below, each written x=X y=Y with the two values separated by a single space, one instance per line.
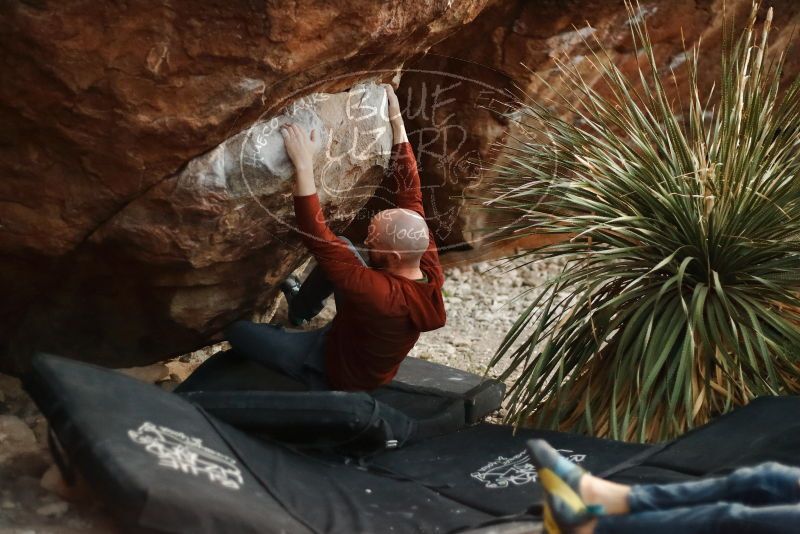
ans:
x=165 y=465
x=481 y=395
x=421 y=390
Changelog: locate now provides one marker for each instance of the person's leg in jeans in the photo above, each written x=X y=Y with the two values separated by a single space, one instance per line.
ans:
x=310 y=299
x=722 y=518
x=298 y=354
x=764 y=484
x=765 y=498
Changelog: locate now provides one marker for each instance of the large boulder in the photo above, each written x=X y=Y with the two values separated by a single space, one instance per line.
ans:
x=108 y=243
x=209 y=244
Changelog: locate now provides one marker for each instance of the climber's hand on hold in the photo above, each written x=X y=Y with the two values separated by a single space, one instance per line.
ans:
x=395 y=117
x=299 y=145
x=394 y=103
x=300 y=148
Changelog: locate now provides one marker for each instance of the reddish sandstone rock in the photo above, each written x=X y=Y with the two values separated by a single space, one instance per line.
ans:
x=208 y=244
x=103 y=104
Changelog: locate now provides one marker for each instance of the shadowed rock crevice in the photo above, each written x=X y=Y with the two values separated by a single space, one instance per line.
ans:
x=103 y=108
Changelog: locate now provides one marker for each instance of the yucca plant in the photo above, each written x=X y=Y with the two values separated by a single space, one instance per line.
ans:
x=678 y=299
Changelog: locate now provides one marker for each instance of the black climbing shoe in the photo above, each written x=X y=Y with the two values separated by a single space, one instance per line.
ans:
x=290 y=288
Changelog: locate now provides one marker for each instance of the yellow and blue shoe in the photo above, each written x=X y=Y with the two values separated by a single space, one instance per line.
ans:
x=564 y=509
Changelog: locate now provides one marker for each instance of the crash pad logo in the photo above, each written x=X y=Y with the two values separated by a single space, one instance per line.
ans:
x=516 y=470
x=180 y=452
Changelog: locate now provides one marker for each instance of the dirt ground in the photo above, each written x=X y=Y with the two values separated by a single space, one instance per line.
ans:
x=481 y=306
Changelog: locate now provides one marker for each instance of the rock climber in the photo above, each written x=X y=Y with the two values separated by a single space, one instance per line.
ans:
x=384 y=298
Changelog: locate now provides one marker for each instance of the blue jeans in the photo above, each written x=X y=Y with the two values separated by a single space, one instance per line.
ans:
x=762 y=499
x=297 y=354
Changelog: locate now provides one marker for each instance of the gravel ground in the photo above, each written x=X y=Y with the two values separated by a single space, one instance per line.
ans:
x=482 y=301
x=481 y=306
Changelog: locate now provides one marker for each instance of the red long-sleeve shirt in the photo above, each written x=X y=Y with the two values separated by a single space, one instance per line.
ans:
x=379 y=315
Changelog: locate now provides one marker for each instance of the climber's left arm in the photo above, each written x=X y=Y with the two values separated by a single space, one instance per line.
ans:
x=408 y=193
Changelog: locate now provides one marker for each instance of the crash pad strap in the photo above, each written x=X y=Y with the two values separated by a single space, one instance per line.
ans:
x=634 y=461
x=261 y=482
x=408 y=388
x=60 y=457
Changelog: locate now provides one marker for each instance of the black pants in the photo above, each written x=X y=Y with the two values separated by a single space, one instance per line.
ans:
x=297 y=354
x=294 y=353
x=316 y=288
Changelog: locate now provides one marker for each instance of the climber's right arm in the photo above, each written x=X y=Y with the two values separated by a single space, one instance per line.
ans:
x=402 y=163
x=395 y=116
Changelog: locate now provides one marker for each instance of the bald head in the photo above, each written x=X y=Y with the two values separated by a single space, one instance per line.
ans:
x=399 y=230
